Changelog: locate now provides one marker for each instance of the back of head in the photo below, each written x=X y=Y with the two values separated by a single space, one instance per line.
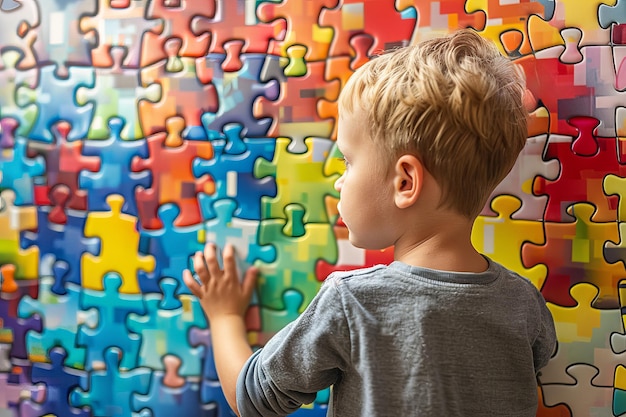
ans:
x=455 y=102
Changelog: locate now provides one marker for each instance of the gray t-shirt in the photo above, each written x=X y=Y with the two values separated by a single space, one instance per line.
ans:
x=400 y=340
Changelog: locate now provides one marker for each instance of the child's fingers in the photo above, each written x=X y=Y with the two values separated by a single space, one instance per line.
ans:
x=200 y=267
x=191 y=283
x=210 y=256
x=230 y=264
x=249 y=282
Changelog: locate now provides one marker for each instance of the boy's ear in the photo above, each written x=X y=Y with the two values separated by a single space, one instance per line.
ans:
x=408 y=180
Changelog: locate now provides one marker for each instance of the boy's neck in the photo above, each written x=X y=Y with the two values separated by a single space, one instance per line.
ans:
x=443 y=246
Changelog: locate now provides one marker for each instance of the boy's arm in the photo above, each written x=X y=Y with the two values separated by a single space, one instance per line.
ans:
x=224 y=301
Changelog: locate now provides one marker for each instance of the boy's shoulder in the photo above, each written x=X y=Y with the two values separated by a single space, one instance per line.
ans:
x=340 y=276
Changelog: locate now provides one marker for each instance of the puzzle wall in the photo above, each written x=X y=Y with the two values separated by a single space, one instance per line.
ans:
x=133 y=131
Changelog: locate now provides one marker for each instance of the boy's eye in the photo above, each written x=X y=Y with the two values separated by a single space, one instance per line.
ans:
x=343 y=160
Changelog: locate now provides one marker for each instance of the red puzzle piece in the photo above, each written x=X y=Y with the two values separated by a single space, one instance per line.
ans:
x=64 y=162
x=585 y=161
x=573 y=253
x=377 y=18
x=170 y=162
x=177 y=17
x=302 y=24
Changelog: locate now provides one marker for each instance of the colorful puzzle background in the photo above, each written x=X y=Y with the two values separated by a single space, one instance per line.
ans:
x=133 y=131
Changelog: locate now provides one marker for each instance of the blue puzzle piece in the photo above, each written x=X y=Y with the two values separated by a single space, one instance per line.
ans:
x=115 y=175
x=109 y=392
x=171 y=247
x=165 y=332
x=612 y=14
x=164 y=401
x=113 y=308
x=242 y=234
x=8 y=5
x=197 y=337
x=211 y=392
x=237 y=93
x=232 y=169
x=59 y=314
x=52 y=91
x=18 y=171
x=66 y=242
x=60 y=380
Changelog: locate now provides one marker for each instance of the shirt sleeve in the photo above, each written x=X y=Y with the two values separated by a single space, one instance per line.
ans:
x=305 y=357
x=545 y=342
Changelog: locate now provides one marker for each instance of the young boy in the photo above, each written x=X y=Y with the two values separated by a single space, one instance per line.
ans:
x=427 y=132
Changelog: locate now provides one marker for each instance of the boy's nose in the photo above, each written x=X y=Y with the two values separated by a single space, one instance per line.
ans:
x=339 y=183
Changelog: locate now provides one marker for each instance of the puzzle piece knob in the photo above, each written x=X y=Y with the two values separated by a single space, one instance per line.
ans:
x=7 y=273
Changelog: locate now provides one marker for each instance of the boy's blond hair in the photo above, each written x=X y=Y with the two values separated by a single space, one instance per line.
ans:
x=454 y=102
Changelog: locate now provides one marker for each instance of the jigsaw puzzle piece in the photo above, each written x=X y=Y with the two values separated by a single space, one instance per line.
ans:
x=119 y=24
x=545 y=32
x=60 y=316
x=573 y=254
x=64 y=163
x=14 y=220
x=11 y=77
x=501 y=237
x=59 y=381
x=17 y=23
x=302 y=26
x=503 y=18
x=433 y=19
x=115 y=175
x=15 y=383
x=59 y=40
x=296 y=257
x=582 y=397
x=585 y=160
x=387 y=27
x=170 y=163
x=7 y=279
x=164 y=331
x=113 y=308
x=234 y=23
x=564 y=92
x=46 y=96
x=232 y=169
x=176 y=18
x=19 y=171
x=117 y=91
x=13 y=329
x=64 y=242
x=119 y=241
x=300 y=179
x=226 y=229
x=163 y=400
x=186 y=91
x=171 y=247
x=340 y=68
x=295 y=109
x=237 y=93
x=109 y=391
x=615 y=251
x=583 y=334
x=8 y=126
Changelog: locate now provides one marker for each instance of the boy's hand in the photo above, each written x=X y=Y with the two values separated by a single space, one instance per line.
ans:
x=219 y=291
